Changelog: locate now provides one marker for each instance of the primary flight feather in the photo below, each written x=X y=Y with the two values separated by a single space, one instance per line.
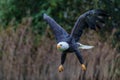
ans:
x=69 y=42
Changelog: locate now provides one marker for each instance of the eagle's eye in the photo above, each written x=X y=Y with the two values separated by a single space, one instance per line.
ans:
x=60 y=44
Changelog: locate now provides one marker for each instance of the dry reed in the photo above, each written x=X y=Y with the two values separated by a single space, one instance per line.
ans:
x=20 y=59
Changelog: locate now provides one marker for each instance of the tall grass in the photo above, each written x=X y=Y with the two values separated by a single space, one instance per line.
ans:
x=22 y=59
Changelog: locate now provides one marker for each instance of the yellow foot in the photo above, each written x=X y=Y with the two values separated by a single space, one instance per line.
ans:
x=61 y=68
x=83 y=67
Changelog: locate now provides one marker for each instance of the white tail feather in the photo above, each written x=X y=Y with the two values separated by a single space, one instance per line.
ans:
x=81 y=46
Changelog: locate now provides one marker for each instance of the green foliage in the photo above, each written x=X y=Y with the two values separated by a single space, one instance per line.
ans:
x=64 y=12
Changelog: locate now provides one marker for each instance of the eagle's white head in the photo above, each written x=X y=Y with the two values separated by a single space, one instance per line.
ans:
x=62 y=46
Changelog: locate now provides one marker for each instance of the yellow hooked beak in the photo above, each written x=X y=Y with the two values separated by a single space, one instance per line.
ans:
x=58 y=46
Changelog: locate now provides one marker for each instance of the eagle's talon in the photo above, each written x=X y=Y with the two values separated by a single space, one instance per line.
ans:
x=61 y=68
x=83 y=67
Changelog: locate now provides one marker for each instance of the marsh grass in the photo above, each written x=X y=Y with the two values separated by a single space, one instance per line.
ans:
x=21 y=58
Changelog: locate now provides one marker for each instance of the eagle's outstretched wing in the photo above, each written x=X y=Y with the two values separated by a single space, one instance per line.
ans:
x=59 y=32
x=92 y=19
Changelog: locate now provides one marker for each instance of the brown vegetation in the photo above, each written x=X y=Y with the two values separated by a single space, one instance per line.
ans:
x=22 y=58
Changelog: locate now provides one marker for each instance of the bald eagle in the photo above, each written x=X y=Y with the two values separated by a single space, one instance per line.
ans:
x=69 y=42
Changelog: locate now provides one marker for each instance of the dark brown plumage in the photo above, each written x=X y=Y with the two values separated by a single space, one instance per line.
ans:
x=91 y=19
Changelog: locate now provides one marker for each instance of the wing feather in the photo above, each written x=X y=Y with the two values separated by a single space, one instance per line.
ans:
x=92 y=19
x=59 y=32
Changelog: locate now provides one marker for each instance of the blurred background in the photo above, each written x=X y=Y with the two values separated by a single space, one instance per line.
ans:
x=28 y=48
